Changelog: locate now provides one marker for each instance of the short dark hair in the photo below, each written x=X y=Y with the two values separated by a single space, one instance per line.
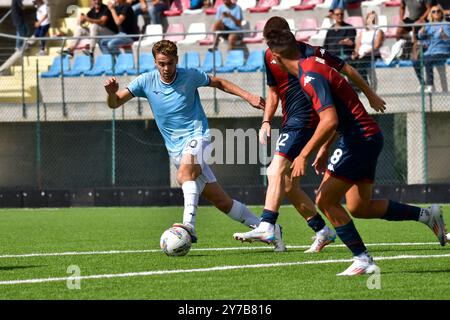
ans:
x=282 y=42
x=165 y=47
x=275 y=24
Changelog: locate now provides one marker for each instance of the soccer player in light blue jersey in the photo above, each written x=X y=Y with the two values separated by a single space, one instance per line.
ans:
x=173 y=97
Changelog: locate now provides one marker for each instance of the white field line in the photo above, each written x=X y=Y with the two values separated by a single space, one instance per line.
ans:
x=79 y=253
x=218 y=268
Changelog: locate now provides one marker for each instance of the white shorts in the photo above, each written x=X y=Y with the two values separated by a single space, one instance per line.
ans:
x=199 y=148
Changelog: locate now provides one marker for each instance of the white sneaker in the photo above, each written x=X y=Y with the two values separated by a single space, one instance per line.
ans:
x=256 y=235
x=189 y=228
x=323 y=238
x=362 y=264
x=436 y=223
x=278 y=242
x=428 y=89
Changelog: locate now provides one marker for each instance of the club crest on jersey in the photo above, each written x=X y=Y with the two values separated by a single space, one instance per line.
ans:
x=273 y=61
x=307 y=80
x=322 y=52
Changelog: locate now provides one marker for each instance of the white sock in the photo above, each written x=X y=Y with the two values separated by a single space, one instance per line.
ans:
x=191 y=192
x=241 y=213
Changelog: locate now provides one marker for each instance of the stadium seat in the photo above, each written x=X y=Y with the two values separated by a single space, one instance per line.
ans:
x=176 y=9
x=405 y=63
x=196 y=27
x=304 y=34
x=391 y=32
x=254 y=62
x=213 y=10
x=258 y=36
x=286 y=5
x=393 y=3
x=356 y=21
x=146 y=63
x=246 y=4
x=372 y=3
x=319 y=38
x=190 y=60
x=211 y=60
x=154 y=33
x=125 y=61
x=235 y=59
x=55 y=68
x=382 y=23
x=381 y=64
x=307 y=5
x=103 y=63
x=448 y=61
x=263 y=6
x=324 y=5
x=81 y=63
x=175 y=28
x=209 y=40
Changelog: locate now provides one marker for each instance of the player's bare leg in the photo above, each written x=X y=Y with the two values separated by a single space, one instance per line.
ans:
x=360 y=205
x=214 y=193
x=328 y=200
x=306 y=208
x=187 y=176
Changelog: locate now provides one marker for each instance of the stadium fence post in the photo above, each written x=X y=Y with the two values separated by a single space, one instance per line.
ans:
x=38 y=131
x=62 y=78
x=113 y=148
x=423 y=120
x=24 y=107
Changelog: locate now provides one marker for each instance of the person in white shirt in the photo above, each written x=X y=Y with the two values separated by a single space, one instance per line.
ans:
x=42 y=23
x=368 y=42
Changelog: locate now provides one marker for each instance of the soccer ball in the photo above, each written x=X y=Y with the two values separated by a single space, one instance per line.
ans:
x=448 y=237
x=175 y=241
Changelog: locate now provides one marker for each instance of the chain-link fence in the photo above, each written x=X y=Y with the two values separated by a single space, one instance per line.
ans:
x=57 y=131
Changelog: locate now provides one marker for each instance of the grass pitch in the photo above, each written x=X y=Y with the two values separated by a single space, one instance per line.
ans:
x=116 y=251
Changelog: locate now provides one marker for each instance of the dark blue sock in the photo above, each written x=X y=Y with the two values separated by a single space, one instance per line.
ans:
x=350 y=237
x=269 y=216
x=316 y=223
x=400 y=212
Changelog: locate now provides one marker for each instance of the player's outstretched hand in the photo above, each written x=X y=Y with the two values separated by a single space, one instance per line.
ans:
x=264 y=132
x=257 y=102
x=320 y=163
x=377 y=103
x=111 y=85
x=298 y=167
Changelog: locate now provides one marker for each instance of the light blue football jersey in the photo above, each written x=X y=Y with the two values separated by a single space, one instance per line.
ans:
x=175 y=106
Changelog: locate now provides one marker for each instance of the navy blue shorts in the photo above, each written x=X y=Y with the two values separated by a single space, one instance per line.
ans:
x=356 y=161
x=291 y=142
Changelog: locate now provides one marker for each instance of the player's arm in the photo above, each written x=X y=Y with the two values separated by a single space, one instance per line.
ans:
x=229 y=87
x=320 y=163
x=116 y=98
x=340 y=65
x=375 y=101
x=324 y=132
x=269 y=112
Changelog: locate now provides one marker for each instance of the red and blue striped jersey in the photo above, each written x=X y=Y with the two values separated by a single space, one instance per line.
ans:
x=327 y=88
x=296 y=107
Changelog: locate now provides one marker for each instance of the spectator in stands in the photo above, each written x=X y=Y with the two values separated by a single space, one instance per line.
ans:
x=154 y=8
x=418 y=13
x=101 y=24
x=340 y=41
x=353 y=7
x=42 y=23
x=126 y=21
x=368 y=43
x=445 y=4
x=437 y=39
x=18 y=21
x=228 y=18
